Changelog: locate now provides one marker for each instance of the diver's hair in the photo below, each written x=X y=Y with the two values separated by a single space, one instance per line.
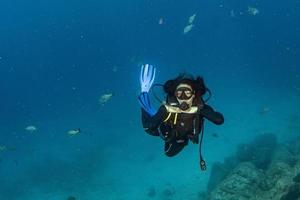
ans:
x=197 y=84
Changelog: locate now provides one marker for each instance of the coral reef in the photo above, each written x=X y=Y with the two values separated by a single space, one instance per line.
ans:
x=258 y=152
x=293 y=193
x=297 y=178
x=260 y=170
x=220 y=171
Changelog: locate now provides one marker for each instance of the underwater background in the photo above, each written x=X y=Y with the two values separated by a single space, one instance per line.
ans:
x=60 y=59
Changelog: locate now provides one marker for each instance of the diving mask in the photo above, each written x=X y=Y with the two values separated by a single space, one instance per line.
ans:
x=184 y=93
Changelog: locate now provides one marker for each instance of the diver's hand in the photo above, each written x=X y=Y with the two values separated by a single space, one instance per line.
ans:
x=147 y=77
x=144 y=101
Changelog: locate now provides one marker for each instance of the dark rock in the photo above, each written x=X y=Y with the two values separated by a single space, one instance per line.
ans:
x=293 y=193
x=266 y=184
x=295 y=146
x=218 y=173
x=230 y=162
x=262 y=158
x=240 y=184
x=268 y=140
x=278 y=169
x=297 y=178
x=259 y=152
x=283 y=154
x=292 y=162
x=262 y=169
x=244 y=153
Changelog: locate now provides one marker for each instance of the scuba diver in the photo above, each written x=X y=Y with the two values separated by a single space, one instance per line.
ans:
x=180 y=118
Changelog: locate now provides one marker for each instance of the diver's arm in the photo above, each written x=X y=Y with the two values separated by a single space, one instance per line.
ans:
x=151 y=123
x=213 y=116
x=147 y=77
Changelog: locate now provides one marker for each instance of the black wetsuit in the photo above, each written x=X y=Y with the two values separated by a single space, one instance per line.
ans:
x=187 y=127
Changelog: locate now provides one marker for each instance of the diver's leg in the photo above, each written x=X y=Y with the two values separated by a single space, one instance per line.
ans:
x=173 y=148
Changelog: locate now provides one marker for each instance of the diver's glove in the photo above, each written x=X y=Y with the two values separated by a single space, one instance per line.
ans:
x=144 y=101
x=147 y=77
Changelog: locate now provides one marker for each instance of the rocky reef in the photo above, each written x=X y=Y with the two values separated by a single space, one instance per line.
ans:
x=261 y=170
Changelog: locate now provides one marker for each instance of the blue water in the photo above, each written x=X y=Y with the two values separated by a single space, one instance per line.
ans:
x=58 y=57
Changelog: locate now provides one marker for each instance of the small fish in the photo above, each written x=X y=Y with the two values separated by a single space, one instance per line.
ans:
x=73 y=132
x=232 y=13
x=4 y=148
x=161 y=21
x=31 y=128
x=253 y=11
x=192 y=18
x=188 y=28
x=264 y=110
x=105 y=98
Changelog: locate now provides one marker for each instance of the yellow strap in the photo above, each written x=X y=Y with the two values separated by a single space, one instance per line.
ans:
x=175 y=119
x=169 y=115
